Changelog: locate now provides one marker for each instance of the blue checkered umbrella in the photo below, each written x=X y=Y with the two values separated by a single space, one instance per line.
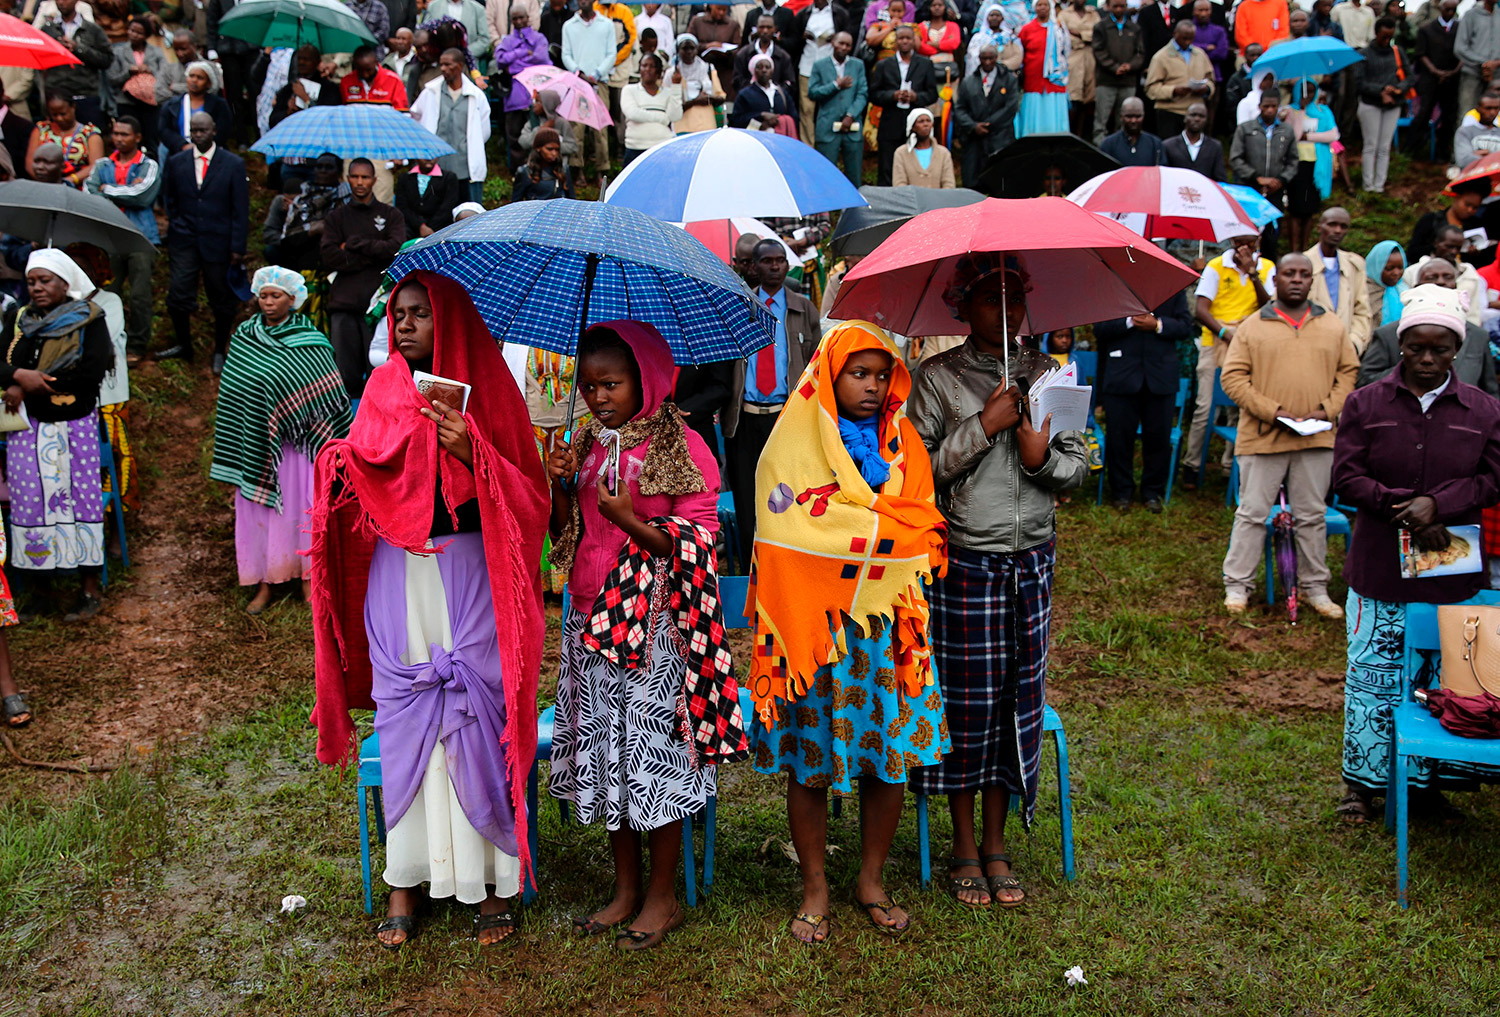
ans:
x=367 y=129
x=541 y=271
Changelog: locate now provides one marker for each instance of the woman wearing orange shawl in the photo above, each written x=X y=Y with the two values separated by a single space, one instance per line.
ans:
x=426 y=541
x=846 y=533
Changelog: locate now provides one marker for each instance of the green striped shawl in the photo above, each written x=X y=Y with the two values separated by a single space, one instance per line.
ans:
x=280 y=387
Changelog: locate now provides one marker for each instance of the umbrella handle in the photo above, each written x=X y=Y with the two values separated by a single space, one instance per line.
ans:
x=591 y=268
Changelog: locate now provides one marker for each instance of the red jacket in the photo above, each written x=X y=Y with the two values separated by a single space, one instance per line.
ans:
x=386 y=88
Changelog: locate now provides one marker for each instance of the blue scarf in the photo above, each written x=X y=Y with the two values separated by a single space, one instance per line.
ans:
x=862 y=439
x=1391 y=296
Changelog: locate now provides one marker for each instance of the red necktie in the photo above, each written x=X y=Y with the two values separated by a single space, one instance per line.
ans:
x=765 y=360
x=204 y=160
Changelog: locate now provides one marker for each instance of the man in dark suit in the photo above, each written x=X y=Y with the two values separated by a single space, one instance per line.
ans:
x=1193 y=149
x=782 y=20
x=763 y=41
x=207 y=196
x=1155 y=20
x=761 y=384
x=1437 y=79
x=899 y=84
x=1138 y=388
x=984 y=112
x=427 y=207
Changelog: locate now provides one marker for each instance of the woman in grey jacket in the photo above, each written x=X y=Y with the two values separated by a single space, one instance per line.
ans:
x=996 y=476
x=134 y=74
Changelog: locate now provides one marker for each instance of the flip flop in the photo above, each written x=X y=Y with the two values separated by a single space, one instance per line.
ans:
x=500 y=920
x=885 y=905
x=635 y=940
x=15 y=706
x=816 y=922
x=587 y=926
x=396 y=923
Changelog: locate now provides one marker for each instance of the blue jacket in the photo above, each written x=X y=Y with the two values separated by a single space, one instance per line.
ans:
x=834 y=103
x=215 y=218
x=134 y=195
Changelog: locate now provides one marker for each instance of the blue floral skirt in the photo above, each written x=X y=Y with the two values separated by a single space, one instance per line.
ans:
x=854 y=721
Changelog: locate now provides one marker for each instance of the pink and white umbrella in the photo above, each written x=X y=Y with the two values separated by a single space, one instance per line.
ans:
x=578 y=101
x=1160 y=202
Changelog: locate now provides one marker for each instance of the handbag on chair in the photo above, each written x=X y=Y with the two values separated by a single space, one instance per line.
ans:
x=1468 y=701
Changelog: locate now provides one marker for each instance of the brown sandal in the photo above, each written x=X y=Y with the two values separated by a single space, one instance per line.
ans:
x=958 y=884
x=1005 y=882
x=1356 y=810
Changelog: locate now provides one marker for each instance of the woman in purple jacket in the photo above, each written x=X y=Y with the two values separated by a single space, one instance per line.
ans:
x=524 y=47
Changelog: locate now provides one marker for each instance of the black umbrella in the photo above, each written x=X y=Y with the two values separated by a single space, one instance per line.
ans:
x=861 y=230
x=56 y=215
x=1018 y=170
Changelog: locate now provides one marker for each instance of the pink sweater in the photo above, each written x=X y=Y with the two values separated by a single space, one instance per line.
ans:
x=599 y=548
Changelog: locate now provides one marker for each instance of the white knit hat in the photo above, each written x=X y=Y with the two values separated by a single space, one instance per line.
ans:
x=1430 y=304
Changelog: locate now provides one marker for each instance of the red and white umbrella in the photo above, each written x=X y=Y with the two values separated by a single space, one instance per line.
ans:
x=24 y=46
x=1164 y=203
x=578 y=102
x=1486 y=167
x=720 y=236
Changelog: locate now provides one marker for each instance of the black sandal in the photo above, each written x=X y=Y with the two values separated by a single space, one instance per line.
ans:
x=1006 y=882
x=587 y=926
x=1356 y=809
x=816 y=923
x=15 y=706
x=957 y=885
x=396 y=923
x=885 y=905
x=635 y=940
x=500 y=920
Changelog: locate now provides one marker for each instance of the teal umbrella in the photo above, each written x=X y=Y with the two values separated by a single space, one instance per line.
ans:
x=326 y=24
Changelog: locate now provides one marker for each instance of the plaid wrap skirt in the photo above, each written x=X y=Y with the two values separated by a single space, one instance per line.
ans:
x=991 y=623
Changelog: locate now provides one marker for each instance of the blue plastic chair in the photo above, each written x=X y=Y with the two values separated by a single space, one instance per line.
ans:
x=1334 y=521
x=1050 y=722
x=1224 y=431
x=1088 y=374
x=1415 y=733
x=729 y=526
x=112 y=502
x=368 y=791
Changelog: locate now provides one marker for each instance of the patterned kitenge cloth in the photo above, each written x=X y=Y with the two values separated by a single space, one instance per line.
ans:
x=991 y=621
x=685 y=583
x=56 y=495
x=1372 y=686
x=116 y=418
x=7 y=602
x=855 y=721
x=828 y=548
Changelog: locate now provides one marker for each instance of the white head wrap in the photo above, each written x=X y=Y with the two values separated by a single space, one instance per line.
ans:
x=207 y=68
x=911 y=125
x=283 y=279
x=50 y=259
x=467 y=206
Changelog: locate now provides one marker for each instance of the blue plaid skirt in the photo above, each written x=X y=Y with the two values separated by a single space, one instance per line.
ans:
x=991 y=624
x=1372 y=686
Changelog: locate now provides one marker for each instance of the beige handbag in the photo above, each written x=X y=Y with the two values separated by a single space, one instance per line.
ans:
x=1470 y=638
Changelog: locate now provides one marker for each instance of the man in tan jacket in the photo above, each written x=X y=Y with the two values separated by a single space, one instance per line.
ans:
x=1339 y=281
x=1179 y=75
x=1290 y=367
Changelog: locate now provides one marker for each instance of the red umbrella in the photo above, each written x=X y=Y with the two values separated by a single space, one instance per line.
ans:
x=1486 y=167
x=1175 y=203
x=24 y=46
x=721 y=235
x=1083 y=267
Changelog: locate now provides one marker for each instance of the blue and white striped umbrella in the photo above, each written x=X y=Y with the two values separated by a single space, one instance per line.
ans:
x=731 y=172
x=540 y=271
x=368 y=129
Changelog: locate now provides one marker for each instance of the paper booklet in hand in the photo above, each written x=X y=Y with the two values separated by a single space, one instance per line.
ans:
x=1058 y=393
x=452 y=393
x=17 y=421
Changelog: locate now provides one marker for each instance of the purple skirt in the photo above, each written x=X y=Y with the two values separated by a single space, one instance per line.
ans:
x=451 y=689
x=56 y=495
x=266 y=542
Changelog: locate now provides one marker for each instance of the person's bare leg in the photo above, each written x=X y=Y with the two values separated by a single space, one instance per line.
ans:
x=403 y=901
x=625 y=845
x=996 y=806
x=91 y=585
x=965 y=845
x=807 y=814
x=8 y=685
x=260 y=600
x=881 y=809
x=665 y=845
x=307 y=590
x=493 y=905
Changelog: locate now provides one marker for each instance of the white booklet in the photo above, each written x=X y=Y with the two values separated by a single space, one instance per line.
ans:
x=1306 y=427
x=1058 y=393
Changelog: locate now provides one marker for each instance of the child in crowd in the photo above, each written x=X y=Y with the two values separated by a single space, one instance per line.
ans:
x=847 y=532
x=997 y=473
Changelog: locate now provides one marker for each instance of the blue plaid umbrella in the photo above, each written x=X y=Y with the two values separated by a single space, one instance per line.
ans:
x=1256 y=206
x=367 y=129
x=541 y=271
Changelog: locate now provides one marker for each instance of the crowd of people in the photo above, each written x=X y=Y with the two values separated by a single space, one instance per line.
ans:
x=1371 y=377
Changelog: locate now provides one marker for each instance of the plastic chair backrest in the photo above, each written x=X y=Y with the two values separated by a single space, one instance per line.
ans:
x=1088 y=366
x=1183 y=385
x=733 y=592
x=1220 y=399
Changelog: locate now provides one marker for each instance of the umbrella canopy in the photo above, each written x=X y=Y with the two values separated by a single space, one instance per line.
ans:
x=1017 y=170
x=1307 y=57
x=370 y=129
x=578 y=101
x=541 y=271
x=326 y=24
x=55 y=215
x=720 y=236
x=24 y=46
x=1083 y=267
x=730 y=172
x=1175 y=204
x=1253 y=204
x=861 y=230
x=1486 y=167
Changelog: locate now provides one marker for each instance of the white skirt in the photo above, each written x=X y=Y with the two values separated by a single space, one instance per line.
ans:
x=434 y=842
